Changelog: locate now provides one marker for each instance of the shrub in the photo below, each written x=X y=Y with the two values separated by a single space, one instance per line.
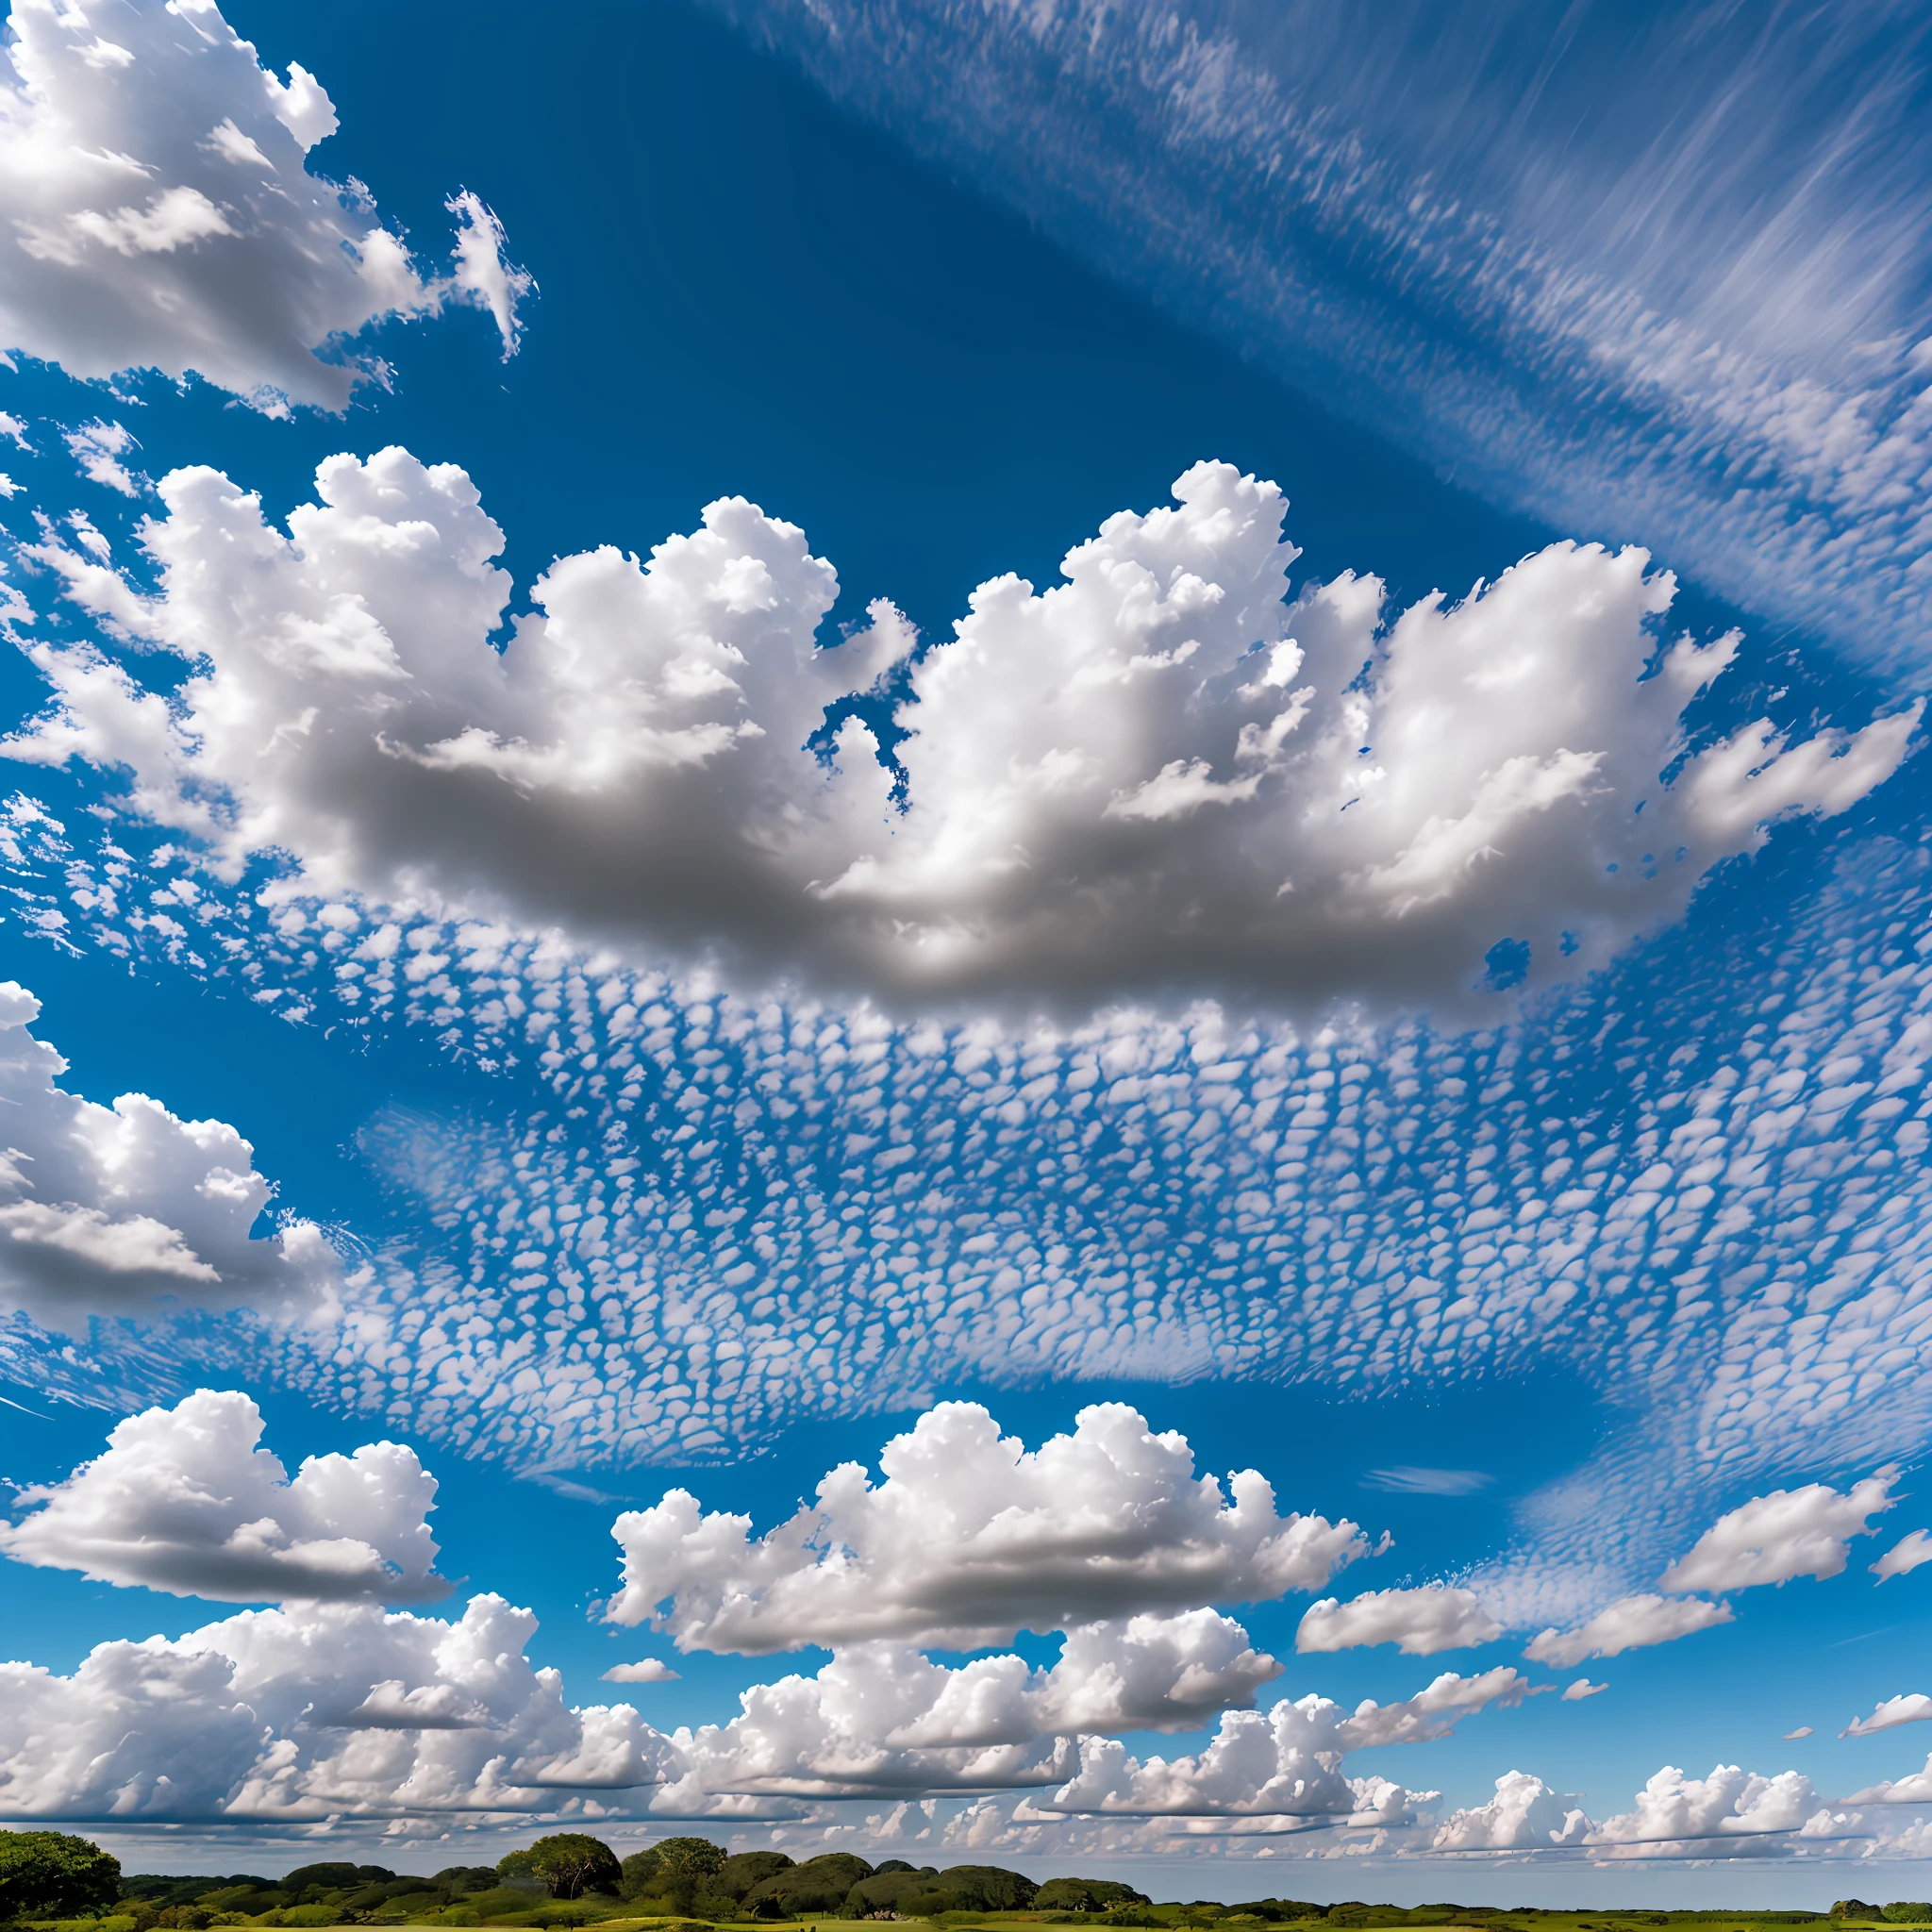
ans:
x=498 y=1899
x=1085 y=1895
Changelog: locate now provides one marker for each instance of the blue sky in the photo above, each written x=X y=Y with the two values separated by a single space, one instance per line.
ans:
x=1450 y=1058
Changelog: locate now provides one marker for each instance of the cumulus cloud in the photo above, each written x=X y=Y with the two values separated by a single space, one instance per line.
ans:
x=1164 y=774
x=1903 y=1556
x=1788 y=1533
x=1432 y=1711
x=1912 y=1708
x=186 y=1500
x=1524 y=1815
x=1676 y=1815
x=1916 y=1788
x=314 y=1711
x=126 y=1209
x=1420 y=1621
x=650 y=1670
x=1582 y=1688
x=1632 y=1623
x=972 y=1538
x=154 y=182
x=1284 y=1763
x=883 y=1717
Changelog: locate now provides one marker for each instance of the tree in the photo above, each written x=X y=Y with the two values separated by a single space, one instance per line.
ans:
x=46 y=1875
x=640 y=1873
x=687 y=1862
x=567 y=1864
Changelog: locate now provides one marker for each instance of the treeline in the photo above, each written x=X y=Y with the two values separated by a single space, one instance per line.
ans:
x=571 y=1879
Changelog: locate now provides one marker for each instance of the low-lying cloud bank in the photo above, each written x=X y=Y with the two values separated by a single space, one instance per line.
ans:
x=327 y=1706
x=1167 y=776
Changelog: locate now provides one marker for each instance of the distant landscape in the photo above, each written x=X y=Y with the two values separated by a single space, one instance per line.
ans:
x=55 y=1883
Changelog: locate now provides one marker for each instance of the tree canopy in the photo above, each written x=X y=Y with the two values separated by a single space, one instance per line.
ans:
x=46 y=1875
x=567 y=1864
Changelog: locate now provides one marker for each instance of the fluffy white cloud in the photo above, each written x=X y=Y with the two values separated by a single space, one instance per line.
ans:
x=185 y=1500
x=650 y=1670
x=1788 y=1533
x=1163 y=773
x=1916 y=1788
x=1284 y=1763
x=1632 y=1623
x=972 y=1536
x=1577 y=1693
x=319 y=1711
x=1433 y=1710
x=885 y=1718
x=124 y=1210
x=155 y=189
x=1421 y=1622
x=1524 y=1815
x=1905 y=1556
x=1676 y=1815
x=1911 y=1708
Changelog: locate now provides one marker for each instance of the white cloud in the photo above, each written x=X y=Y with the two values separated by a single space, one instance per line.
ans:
x=1582 y=1688
x=1284 y=1763
x=972 y=1536
x=1524 y=1815
x=160 y=214
x=1910 y=1708
x=1905 y=1556
x=316 y=1711
x=1916 y=1788
x=883 y=1717
x=1803 y=1731
x=1788 y=1533
x=1632 y=1623
x=1421 y=1622
x=98 y=447
x=126 y=1209
x=1161 y=776
x=1407 y=1480
x=1432 y=1711
x=185 y=1500
x=651 y=1671
x=1708 y=319
x=1676 y=1815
